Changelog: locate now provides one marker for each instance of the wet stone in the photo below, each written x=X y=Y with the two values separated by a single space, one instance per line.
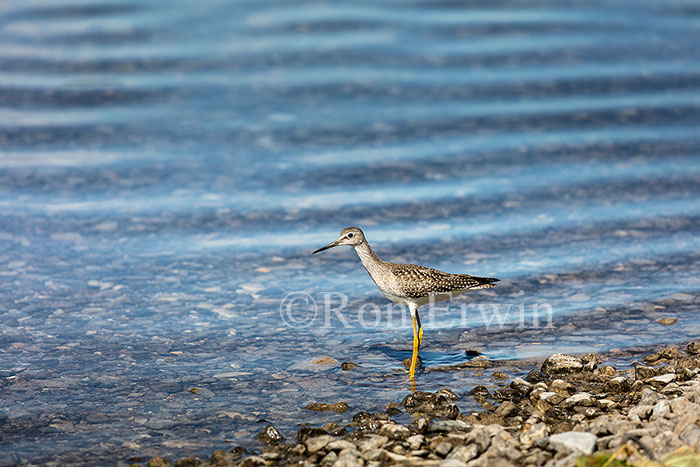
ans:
x=669 y=353
x=642 y=372
x=270 y=436
x=346 y=366
x=667 y=321
x=407 y=363
x=339 y=407
x=521 y=386
x=693 y=348
x=365 y=421
x=534 y=377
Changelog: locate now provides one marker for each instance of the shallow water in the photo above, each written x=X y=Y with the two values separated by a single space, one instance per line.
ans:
x=166 y=168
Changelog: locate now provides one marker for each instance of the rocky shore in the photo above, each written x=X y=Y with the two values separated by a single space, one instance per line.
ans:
x=573 y=409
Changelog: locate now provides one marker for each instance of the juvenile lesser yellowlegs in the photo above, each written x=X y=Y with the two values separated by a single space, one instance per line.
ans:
x=409 y=284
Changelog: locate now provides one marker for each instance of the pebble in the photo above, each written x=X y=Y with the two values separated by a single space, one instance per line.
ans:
x=572 y=411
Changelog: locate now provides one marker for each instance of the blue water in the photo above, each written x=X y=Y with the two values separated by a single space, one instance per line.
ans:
x=167 y=167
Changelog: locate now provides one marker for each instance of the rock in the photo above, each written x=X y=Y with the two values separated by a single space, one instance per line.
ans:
x=415 y=441
x=419 y=363
x=339 y=445
x=617 y=385
x=590 y=362
x=307 y=432
x=270 y=436
x=223 y=458
x=443 y=448
x=506 y=409
x=693 y=348
x=449 y=425
x=317 y=443
x=439 y=406
x=253 y=461
x=348 y=459
x=642 y=372
x=500 y=375
x=346 y=366
x=452 y=463
x=661 y=380
x=660 y=409
x=480 y=437
x=329 y=458
x=573 y=441
x=534 y=377
x=325 y=361
x=521 y=386
x=372 y=442
x=582 y=399
x=639 y=412
x=534 y=433
x=667 y=321
x=560 y=364
x=447 y=394
x=395 y=431
x=606 y=370
x=365 y=421
x=559 y=385
x=480 y=391
x=669 y=353
x=464 y=453
x=187 y=462
x=339 y=407
x=159 y=462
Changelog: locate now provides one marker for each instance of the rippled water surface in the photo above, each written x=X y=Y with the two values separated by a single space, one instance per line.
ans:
x=166 y=168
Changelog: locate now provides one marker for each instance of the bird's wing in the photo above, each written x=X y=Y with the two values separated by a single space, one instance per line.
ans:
x=420 y=281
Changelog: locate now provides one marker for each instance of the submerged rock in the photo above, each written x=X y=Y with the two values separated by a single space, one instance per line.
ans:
x=339 y=407
x=346 y=366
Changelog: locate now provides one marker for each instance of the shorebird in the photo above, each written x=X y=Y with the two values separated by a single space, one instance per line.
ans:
x=408 y=284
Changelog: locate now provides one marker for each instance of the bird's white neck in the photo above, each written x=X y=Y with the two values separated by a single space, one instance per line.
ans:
x=369 y=258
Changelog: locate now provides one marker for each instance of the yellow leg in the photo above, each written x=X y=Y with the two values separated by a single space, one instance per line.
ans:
x=414 y=357
x=420 y=330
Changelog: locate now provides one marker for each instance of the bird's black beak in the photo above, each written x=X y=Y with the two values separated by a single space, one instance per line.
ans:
x=330 y=245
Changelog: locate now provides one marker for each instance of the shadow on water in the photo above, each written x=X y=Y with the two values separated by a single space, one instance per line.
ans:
x=429 y=358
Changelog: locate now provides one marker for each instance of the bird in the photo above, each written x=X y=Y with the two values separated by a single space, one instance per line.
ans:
x=408 y=284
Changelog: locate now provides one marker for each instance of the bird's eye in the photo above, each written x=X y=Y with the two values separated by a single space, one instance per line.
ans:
x=350 y=235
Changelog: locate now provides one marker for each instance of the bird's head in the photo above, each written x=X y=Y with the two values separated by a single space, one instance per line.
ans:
x=352 y=236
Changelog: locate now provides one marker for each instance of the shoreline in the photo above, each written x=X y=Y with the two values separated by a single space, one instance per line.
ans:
x=568 y=408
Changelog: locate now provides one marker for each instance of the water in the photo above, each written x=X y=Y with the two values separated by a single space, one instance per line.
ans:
x=166 y=168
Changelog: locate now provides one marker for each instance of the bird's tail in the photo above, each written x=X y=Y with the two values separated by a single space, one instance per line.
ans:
x=484 y=282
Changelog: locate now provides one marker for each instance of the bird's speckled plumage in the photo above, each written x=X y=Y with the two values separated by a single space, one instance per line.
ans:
x=420 y=281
